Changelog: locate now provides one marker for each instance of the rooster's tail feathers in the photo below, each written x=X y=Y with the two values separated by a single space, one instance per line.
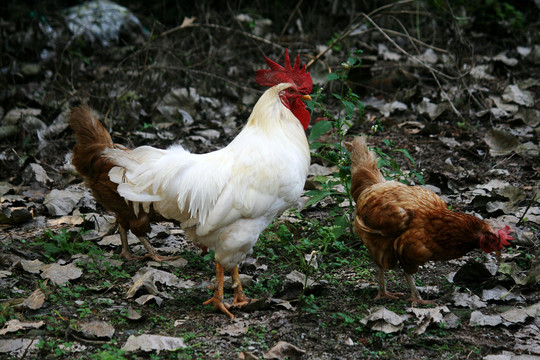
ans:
x=364 y=170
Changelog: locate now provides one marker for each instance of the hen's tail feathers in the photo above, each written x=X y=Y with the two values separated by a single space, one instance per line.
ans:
x=364 y=170
x=92 y=139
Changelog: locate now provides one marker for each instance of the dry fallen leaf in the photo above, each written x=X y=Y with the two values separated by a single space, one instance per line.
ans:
x=478 y=318
x=468 y=301
x=132 y=314
x=16 y=325
x=382 y=319
x=18 y=347
x=35 y=300
x=500 y=142
x=283 y=350
x=236 y=329
x=62 y=202
x=155 y=343
x=146 y=298
x=97 y=330
x=60 y=274
x=32 y=266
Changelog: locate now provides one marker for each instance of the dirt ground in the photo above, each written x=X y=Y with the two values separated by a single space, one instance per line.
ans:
x=457 y=88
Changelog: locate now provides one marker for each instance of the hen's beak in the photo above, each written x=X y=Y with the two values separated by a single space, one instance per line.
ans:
x=306 y=97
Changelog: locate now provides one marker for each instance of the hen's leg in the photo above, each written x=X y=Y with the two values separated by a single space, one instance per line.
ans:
x=415 y=295
x=152 y=253
x=240 y=298
x=382 y=288
x=217 y=299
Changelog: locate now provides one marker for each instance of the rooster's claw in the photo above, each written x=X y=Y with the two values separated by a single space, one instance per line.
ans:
x=219 y=305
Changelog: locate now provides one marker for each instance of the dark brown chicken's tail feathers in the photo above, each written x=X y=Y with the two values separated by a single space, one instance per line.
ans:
x=92 y=139
x=364 y=170
x=87 y=127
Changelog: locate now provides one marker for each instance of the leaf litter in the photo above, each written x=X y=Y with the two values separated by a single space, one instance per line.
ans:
x=506 y=126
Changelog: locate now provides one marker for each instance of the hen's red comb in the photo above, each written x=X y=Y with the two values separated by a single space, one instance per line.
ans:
x=504 y=236
x=278 y=74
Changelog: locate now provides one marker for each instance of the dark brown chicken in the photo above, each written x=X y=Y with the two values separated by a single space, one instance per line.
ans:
x=410 y=225
x=92 y=139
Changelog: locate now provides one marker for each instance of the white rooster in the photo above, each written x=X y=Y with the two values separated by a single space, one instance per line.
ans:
x=226 y=198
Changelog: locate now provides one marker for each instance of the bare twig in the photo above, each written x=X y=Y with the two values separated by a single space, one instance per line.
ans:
x=351 y=28
x=419 y=42
x=200 y=72
x=404 y=51
x=291 y=16
x=526 y=210
x=221 y=27
x=444 y=94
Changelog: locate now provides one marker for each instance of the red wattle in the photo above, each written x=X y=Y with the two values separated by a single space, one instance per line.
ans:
x=299 y=110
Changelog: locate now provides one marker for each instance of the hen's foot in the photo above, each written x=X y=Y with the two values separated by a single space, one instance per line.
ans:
x=219 y=305
x=388 y=295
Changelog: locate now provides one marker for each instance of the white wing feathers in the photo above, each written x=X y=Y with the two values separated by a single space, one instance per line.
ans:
x=178 y=183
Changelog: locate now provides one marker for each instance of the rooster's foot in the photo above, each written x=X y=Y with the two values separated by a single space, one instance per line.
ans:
x=219 y=305
x=241 y=302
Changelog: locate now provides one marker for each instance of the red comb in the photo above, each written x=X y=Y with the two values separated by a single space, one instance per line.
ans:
x=278 y=74
x=504 y=236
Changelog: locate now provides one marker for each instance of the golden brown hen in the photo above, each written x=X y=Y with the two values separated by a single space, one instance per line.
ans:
x=410 y=224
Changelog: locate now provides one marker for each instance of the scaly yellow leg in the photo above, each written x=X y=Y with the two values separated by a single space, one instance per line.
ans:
x=240 y=298
x=217 y=299
x=415 y=295
x=382 y=288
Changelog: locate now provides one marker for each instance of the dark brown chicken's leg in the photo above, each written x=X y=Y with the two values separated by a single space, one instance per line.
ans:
x=152 y=253
x=415 y=295
x=240 y=298
x=126 y=251
x=217 y=299
x=382 y=288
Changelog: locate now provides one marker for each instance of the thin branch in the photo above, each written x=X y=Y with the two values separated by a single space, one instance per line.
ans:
x=352 y=28
x=404 y=51
x=419 y=42
x=526 y=210
x=290 y=17
x=444 y=94
x=221 y=27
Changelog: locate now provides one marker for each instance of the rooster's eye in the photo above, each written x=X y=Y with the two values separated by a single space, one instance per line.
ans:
x=290 y=90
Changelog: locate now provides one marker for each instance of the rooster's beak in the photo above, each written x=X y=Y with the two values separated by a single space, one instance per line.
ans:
x=306 y=97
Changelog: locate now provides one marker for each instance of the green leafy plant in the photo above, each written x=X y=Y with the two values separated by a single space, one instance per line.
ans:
x=64 y=241
x=349 y=108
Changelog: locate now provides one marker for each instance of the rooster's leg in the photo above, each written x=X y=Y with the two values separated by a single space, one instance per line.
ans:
x=240 y=298
x=415 y=295
x=152 y=253
x=382 y=288
x=217 y=299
